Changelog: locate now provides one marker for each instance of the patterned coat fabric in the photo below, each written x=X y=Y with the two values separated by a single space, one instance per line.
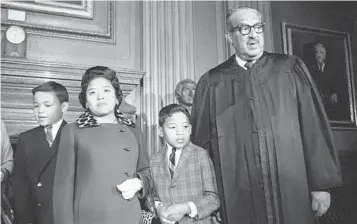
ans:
x=91 y=162
x=34 y=171
x=194 y=180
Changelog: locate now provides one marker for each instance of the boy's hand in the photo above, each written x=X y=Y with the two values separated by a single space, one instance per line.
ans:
x=177 y=211
x=161 y=212
x=216 y=219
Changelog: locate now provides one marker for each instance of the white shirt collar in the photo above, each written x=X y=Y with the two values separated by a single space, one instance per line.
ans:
x=177 y=153
x=241 y=62
x=55 y=128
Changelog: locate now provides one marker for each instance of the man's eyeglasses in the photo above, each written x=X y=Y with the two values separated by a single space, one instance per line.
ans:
x=245 y=29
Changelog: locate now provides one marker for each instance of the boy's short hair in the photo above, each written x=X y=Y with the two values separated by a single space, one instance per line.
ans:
x=169 y=110
x=51 y=86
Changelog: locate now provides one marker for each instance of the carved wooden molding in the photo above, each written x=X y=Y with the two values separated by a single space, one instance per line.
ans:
x=27 y=68
x=39 y=29
x=85 y=10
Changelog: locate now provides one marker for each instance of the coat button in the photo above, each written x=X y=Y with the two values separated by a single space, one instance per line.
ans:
x=122 y=130
x=127 y=149
x=173 y=185
x=39 y=205
x=39 y=184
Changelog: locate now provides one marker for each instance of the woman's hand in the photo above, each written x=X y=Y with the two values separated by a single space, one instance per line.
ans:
x=129 y=187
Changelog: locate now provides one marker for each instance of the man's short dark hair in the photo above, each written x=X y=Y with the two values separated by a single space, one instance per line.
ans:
x=169 y=110
x=51 y=86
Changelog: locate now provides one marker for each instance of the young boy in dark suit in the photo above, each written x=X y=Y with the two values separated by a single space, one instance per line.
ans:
x=35 y=156
x=182 y=172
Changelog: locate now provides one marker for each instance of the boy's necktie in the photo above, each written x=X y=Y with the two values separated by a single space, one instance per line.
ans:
x=49 y=136
x=172 y=162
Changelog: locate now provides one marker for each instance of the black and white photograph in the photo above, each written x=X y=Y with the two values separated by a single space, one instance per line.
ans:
x=178 y=112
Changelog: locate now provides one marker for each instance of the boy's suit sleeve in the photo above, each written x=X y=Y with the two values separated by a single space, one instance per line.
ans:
x=23 y=198
x=153 y=167
x=209 y=202
x=155 y=200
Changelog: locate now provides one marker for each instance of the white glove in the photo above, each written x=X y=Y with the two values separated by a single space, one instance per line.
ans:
x=129 y=187
x=320 y=202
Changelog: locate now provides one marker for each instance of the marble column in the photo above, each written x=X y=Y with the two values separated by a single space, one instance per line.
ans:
x=168 y=58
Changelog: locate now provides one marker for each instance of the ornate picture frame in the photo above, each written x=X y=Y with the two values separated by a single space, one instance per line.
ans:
x=84 y=20
x=80 y=9
x=327 y=54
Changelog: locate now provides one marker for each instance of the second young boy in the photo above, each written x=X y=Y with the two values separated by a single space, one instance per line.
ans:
x=182 y=172
x=35 y=157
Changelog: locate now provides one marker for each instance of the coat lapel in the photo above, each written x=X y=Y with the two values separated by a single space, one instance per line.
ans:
x=38 y=150
x=56 y=141
x=182 y=163
x=164 y=164
x=50 y=152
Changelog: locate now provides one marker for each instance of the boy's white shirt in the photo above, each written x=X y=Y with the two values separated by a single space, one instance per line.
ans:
x=55 y=127
x=178 y=152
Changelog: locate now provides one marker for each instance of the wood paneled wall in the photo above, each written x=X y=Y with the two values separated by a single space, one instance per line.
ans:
x=62 y=42
x=18 y=77
x=161 y=41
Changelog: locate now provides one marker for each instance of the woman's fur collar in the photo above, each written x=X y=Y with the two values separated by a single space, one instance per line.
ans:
x=87 y=119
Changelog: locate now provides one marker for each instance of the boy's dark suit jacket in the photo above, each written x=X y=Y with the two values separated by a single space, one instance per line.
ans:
x=34 y=171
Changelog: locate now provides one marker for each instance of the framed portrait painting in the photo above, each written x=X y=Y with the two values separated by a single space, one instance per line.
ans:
x=327 y=55
x=80 y=9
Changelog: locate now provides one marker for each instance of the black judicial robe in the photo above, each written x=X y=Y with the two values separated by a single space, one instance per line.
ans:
x=269 y=138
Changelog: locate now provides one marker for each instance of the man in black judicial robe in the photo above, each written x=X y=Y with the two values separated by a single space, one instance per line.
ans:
x=266 y=130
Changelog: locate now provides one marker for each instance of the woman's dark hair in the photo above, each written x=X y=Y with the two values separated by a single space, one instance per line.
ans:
x=102 y=72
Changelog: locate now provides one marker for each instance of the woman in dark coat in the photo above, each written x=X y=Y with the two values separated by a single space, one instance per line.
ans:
x=101 y=172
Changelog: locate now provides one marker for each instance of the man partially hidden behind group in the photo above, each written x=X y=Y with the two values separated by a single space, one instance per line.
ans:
x=329 y=82
x=263 y=123
x=184 y=93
